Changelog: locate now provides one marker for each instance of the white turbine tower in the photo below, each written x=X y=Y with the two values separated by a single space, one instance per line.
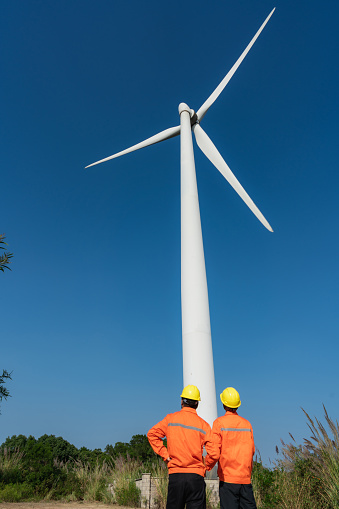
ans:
x=198 y=366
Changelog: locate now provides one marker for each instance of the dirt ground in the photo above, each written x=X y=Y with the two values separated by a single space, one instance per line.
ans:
x=58 y=505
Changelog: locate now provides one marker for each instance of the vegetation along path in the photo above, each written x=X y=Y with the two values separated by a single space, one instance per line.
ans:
x=59 y=505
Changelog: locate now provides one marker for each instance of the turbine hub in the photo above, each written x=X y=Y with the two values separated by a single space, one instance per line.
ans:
x=194 y=118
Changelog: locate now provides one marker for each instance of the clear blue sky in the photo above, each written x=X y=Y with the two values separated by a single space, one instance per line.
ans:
x=90 y=314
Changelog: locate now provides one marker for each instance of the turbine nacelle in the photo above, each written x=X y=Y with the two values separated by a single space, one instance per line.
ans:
x=183 y=107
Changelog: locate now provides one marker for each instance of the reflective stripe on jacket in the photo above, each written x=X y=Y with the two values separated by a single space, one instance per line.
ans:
x=231 y=443
x=186 y=434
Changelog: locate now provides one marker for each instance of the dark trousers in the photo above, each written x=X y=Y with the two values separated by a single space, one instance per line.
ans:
x=236 y=496
x=189 y=489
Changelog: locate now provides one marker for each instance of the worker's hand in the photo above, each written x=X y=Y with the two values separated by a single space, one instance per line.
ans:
x=203 y=460
x=168 y=460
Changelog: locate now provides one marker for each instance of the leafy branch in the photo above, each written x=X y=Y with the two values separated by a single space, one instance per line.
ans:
x=4 y=392
x=5 y=257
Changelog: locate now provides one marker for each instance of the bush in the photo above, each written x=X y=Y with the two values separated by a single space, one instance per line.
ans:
x=10 y=466
x=15 y=492
x=34 y=472
x=126 y=493
x=124 y=473
x=263 y=483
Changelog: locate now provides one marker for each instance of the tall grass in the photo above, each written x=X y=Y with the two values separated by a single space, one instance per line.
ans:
x=124 y=473
x=323 y=450
x=309 y=473
x=10 y=472
x=10 y=460
x=93 y=480
x=294 y=491
x=96 y=480
x=160 y=476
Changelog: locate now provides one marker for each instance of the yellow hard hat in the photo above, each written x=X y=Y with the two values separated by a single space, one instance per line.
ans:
x=191 y=392
x=230 y=397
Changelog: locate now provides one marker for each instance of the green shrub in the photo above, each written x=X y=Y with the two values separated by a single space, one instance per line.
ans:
x=66 y=484
x=126 y=493
x=16 y=492
x=263 y=483
x=123 y=476
x=10 y=466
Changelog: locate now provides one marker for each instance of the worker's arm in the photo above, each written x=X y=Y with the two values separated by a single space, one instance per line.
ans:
x=156 y=437
x=213 y=447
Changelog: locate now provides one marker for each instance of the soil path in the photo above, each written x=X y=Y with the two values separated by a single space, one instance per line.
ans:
x=59 y=505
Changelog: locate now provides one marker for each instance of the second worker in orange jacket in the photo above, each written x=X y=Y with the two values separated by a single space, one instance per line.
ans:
x=231 y=444
x=186 y=434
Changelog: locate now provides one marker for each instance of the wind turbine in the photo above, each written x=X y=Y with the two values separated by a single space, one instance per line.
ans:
x=198 y=366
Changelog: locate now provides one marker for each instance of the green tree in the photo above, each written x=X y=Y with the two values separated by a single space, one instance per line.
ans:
x=137 y=448
x=15 y=442
x=54 y=447
x=4 y=392
x=119 y=449
x=5 y=257
x=60 y=448
x=39 y=469
x=93 y=457
x=140 y=448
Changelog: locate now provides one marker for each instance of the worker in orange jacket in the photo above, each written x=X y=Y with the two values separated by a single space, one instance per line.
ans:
x=231 y=444
x=186 y=434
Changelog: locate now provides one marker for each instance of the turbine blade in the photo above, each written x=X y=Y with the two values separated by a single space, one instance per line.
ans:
x=163 y=135
x=208 y=103
x=212 y=153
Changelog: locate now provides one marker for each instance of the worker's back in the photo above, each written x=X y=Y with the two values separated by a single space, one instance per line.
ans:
x=186 y=433
x=232 y=435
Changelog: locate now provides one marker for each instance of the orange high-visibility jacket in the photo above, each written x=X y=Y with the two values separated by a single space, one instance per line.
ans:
x=186 y=434
x=231 y=443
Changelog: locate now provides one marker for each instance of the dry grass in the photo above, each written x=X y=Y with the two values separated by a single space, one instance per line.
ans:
x=294 y=492
x=124 y=473
x=94 y=481
x=323 y=451
x=127 y=467
x=10 y=460
x=160 y=475
x=314 y=465
x=59 y=505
